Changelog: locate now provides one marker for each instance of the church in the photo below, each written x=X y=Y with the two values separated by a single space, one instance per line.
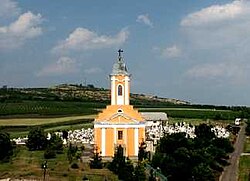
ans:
x=119 y=124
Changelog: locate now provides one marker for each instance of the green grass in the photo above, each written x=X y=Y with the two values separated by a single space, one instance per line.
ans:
x=27 y=164
x=247 y=145
x=70 y=127
x=41 y=121
x=17 y=133
x=244 y=168
x=244 y=165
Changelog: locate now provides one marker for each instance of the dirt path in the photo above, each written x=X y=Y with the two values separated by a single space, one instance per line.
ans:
x=231 y=172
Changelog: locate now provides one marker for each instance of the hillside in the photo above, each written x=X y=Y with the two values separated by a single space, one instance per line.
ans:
x=65 y=92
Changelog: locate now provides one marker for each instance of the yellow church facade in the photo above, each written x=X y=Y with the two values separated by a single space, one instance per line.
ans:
x=119 y=123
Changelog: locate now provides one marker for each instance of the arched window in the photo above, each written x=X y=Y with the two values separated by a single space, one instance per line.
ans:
x=119 y=90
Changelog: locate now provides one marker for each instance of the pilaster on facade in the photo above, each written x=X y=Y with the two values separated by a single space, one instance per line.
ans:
x=103 y=149
x=136 y=143
x=127 y=90
x=115 y=137
x=113 y=90
x=126 y=141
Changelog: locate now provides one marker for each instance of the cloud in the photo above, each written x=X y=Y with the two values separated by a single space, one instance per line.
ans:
x=209 y=71
x=17 y=33
x=236 y=73
x=171 y=52
x=144 y=18
x=215 y=13
x=84 y=39
x=8 y=8
x=216 y=40
x=94 y=70
x=64 y=65
x=218 y=26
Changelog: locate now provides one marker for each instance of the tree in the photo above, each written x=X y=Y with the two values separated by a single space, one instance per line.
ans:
x=6 y=147
x=142 y=154
x=121 y=166
x=169 y=143
x=65 y=134
x=139 y=173
x=223 y=143
x=202 y=172
x=181 y=158
x=248 y=128
x=55 y=143
x=36 y=139
x=126 y=173
x=118 y=161
x=204 y=131
x=96 y=161
x=71 y=152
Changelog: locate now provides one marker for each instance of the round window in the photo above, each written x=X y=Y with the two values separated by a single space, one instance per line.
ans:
x=119 y=111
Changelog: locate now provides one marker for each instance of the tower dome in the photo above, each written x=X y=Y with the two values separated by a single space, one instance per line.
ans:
x=119 y=67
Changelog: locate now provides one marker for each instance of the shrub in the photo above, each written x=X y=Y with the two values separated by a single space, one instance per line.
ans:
x=71 y=153
x=96 y=161
x=85 y=178
x=74 y=166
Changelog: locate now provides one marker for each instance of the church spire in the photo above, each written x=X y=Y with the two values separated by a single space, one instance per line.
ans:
x=119 y=68
x=120 y=82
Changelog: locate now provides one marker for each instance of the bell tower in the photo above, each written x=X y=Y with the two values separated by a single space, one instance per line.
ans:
x=119 y=124
x=120 y=82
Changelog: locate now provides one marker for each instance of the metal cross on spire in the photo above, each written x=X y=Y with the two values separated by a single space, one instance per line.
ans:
x=120 y=53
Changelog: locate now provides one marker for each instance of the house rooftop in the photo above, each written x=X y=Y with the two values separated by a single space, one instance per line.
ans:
x=154 y=116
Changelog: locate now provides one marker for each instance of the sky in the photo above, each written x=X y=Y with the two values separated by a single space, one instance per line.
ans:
x=196 y=51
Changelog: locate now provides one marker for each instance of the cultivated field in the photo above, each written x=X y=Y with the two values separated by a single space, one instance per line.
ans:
x=48 y=108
